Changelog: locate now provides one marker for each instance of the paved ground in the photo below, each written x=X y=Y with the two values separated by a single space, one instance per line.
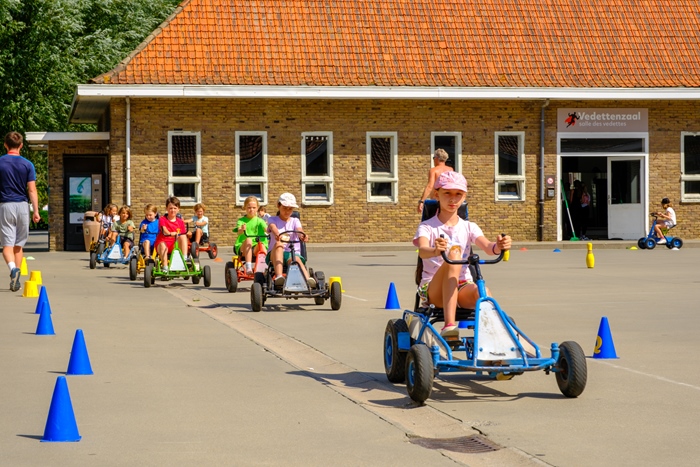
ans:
x=186 y=375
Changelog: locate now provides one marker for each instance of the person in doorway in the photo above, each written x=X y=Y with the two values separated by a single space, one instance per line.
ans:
x=440 y=159
x=575 y=193
x=17 y=188
x=585 y=211
x=667 y=219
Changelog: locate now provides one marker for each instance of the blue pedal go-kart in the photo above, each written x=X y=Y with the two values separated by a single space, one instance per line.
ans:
x=651 y=240
x=415 y=352
x=110 y=255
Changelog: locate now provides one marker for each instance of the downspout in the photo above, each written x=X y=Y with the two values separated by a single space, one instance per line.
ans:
x=540 y=216
x=127 y=182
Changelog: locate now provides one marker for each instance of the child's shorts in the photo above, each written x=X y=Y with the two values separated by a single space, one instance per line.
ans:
x=423 y=292
x=124 y=241
x=287 y=258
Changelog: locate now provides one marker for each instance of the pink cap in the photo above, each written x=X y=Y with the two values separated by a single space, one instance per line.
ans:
x=451 y=181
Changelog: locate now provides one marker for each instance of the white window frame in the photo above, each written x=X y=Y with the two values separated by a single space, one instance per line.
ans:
x=197 y=179
x=392 y=177
x=245 y=180
x=316 y=179
x=458 y=147
x=520 y=178
x=688 y=197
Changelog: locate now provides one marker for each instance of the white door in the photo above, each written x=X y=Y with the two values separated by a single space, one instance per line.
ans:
x=625 y=198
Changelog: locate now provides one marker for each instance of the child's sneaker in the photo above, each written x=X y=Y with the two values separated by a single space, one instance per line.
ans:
x=661 y=242
x=165 y=269
x=450 y=331
x=279 y=281
x=311 y=282
x=14 y=279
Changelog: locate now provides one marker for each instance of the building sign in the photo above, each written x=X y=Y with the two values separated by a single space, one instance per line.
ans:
x=602 y=120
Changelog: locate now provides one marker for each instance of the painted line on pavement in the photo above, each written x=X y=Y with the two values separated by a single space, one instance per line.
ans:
x=650 y=375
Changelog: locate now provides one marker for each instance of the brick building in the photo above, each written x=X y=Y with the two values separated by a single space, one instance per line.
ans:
x=342 y=103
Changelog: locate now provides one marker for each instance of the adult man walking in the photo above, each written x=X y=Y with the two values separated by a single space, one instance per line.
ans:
x=17 y=187
x=440 y=159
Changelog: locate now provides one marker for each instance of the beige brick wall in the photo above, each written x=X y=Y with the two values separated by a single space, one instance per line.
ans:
x=352 y=218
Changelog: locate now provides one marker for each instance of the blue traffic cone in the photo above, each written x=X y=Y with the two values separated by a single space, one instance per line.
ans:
x=61 y=425
x=392 y=300
x=79 y=363
x=43 y=301
x=45 y=326
x=604 y=346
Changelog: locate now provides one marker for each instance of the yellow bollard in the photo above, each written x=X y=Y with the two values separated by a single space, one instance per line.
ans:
x=36 y=277
x=336 y=279
x=590 y=259
x=23 y=268
x=30 y=289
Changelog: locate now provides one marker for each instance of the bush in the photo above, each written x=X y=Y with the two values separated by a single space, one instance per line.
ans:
x=43 y=224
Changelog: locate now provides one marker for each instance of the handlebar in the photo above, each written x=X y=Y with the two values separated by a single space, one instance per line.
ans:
x=473 y=259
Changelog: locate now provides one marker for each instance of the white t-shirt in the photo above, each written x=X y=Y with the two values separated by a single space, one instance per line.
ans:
x=463 y=234
x=205 y=227
x=672 y=214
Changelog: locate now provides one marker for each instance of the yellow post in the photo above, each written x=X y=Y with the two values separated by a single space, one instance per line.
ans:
x=336 y=279
x=590 y=259
x=23 y=268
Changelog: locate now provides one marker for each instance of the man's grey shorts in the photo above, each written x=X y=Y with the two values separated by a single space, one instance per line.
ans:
x=14 y=224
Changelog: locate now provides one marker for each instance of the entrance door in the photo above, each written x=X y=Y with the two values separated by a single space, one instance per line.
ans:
x=81 y=194
x=625 y=198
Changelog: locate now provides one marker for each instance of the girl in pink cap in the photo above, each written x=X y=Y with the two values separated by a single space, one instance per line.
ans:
x=445 y=285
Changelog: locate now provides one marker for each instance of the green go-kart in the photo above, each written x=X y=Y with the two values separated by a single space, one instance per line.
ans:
x=178 y=268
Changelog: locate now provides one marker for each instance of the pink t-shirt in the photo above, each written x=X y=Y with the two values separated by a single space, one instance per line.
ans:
x=285 y=226
x=463 y=235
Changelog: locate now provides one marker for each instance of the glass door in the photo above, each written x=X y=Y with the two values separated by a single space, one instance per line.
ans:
x=625 y=198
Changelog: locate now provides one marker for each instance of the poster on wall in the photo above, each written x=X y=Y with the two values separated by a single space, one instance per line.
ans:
x=80 y=198
x=585 y=120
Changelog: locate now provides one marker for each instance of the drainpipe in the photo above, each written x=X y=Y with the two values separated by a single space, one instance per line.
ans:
x=127 y=186
x=540 y=216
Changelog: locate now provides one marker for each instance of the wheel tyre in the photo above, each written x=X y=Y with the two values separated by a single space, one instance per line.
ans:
x=93 y=260
x=642 y=243
x=336 y=296
x=572 y=371
x=148 y=276
x=677 y=243
x=650 y=244
x=394 y=360
x=259 y=278
x=194 y=250
x=207 y=276
x=106 y=264
x=195 y=279
x=419 y=373
x=256 y=296
x=213 y=251
x=133 y=268
x=231 y=277
x=100 y=248
x=319 y=300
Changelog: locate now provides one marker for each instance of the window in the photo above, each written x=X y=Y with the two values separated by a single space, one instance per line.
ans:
x=382 y=167
x=690 y=167
x=184 y=166
x=510 y=166
x=317 y=168
x=251 y=166
x=451 y=143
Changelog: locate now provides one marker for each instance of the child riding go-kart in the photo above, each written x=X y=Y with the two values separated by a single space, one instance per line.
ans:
x=235 y=270
x=109 y=255
x=415 y=352
x=651 y=240
x=295 y=285
x=178 y=268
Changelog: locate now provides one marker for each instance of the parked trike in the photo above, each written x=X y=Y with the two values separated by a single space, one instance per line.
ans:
x=651 y=240
x=415 y=352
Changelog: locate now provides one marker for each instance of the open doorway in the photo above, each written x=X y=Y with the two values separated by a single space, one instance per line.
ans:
x=593 y=172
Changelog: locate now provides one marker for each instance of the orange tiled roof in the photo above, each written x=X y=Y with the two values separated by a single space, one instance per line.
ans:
x=481 y=43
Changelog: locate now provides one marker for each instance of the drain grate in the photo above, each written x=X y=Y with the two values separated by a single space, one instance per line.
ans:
x=474 y=444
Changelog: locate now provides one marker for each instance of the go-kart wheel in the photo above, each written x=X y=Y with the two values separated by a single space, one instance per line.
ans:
x=207 y=276
x=642 y=243
x=100 y=248
x=93 y=260
x=394 y=360
x=256 y=296
x=319 y=300
x=259 y=278
x=676 y=243
x=213 y=251
x=106 y=265
x=194 y=250
x=195 y=279
x=148 y=278
x=231 y=277
x=419 y=373
x=133 y=268
x=572 y=372
x=336 y=296
x=650 y=243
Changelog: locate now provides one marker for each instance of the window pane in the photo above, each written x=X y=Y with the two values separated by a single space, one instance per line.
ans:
x=691 y=147
x=508 y=157
x=251 y=155
x=692 y=188
x=448 y=143
x=184 y=155
x=184 y=191
x=317 y=155
x=381 y=156
x=602 y=145
x=317 y=192
x=251 y=189
x=509 y=190
x=381 y=189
